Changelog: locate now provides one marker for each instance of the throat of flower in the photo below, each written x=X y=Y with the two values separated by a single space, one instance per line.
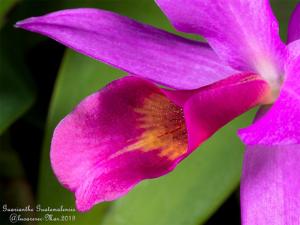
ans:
x=274 y=91
x=270 y=74
x=162 y=126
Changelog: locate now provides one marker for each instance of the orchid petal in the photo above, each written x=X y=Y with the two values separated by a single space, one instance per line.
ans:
x=294 y=25
x=137 y=48
x=214 y=106
x=280 y=125
x=294 y=50
x=243 y=33
x=114 y=139
x=132 y=130
x=270 y=184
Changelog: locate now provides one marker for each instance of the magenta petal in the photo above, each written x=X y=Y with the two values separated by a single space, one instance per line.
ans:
x=212 y=108
x=294 y=50
x=134 y=47
x=281 y=124
x=294 y=25
x=270 y=185
x=115 y=138
x=209 y=108
x=243 y=33
x=131 y=130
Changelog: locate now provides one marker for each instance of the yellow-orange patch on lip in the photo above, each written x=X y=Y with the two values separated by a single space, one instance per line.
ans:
x=164 y=128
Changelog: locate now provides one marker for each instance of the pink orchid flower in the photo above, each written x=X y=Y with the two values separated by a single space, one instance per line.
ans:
x=133 y=130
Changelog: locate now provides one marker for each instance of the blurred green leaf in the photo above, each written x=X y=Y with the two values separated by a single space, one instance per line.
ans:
x=5 y=6
x=10 y=164
x=15 y=98
x=16 y=92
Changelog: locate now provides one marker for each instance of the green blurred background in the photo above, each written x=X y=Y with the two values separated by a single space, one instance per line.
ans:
x=41 y=81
